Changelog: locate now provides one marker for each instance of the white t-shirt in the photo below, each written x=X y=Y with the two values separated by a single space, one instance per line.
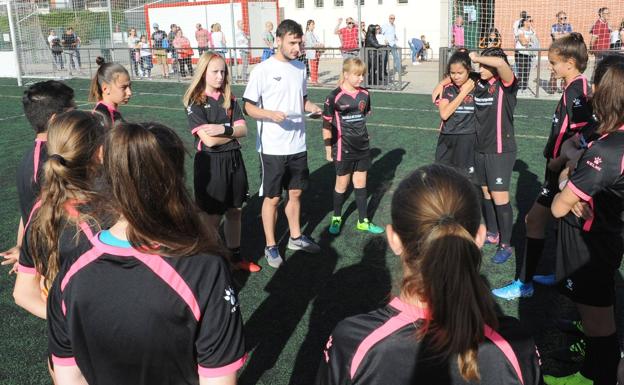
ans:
x=389 y=32
x=133 y=41
x=279 y=86
x=217 y=39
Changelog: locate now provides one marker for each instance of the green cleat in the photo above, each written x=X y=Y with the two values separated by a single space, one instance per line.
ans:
x=335 y=225
x=369 y=226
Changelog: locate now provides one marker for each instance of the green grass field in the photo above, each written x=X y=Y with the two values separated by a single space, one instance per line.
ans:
x=290 y=312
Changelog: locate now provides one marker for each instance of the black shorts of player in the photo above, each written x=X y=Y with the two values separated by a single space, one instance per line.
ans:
x=349 y=166
x=494 y=170
x=279 y=172
x=220 y=181
x=549 y=188
x=586 y=264
x=457 y=151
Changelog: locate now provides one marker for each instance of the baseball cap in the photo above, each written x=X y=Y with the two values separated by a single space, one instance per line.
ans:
x=155 y=25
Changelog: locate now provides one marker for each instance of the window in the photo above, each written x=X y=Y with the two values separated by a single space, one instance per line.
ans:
x=356 y=1
x=299 y=3
x=319 y=3
x=338 y=3
x=402 y=1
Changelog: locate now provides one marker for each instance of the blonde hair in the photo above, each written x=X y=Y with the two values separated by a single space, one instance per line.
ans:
x=216 y=27
x=196 y=92
x=352 y=65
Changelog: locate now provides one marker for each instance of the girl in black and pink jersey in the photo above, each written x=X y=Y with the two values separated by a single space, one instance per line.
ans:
x=216 y=121
x=110 y=87
x=442 y=328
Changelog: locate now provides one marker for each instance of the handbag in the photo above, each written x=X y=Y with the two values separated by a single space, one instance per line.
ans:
x=165 y=43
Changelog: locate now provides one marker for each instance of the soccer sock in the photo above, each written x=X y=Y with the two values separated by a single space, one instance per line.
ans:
x=487 y=206
x=338 y=201
x=504 y=215
x=235 y=254
x=532 y=254
x=601 y=359
x=360 y=201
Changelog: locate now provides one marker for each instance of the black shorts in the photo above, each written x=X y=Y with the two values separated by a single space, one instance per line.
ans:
x=349 y=166
x=457 y=151
x=549 y=188
x=220 y=181
x=494 y=170
x=586 y=263
x=279 y=172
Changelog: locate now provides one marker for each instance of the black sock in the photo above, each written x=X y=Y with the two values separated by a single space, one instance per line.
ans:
x=602 y=356
x=360 y=201
x=338 y=201
x=235 y=254
x=504 y=216
x=532 y=254
x=487 y=206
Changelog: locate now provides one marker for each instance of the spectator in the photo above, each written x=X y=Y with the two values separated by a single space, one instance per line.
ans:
x=427 y=53
x=57 y=49
x=159 y=43
x=374 y=60
x=600 y=34
x=458 y=32
x=268 y=40
x=146 y=58
x=242 y=45
x=558 y=30
x=491 y=40
x=217 y=39
x=362 y=32
x=133 y=41
x=173 y=30
x=616 y=37
x=523 y=58
x=70 y=42
x=389 y=32
x=383 y=54
x=183 y=46
x=516 y=24
x=417 y=46
x=311 y=41
x=203 y=38
x=349 y=45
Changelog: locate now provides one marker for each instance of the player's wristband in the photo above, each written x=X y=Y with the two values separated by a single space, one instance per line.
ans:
x=228 y=130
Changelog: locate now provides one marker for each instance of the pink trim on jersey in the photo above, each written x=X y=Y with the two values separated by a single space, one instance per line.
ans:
x=622 y=165
x=578 y=192
x=562 y=131
x=85 y=259
x=499 y=121
x=239 y=122
x=37 y=157
x=588 y=223
x=574 y=126
x=223 y=370
x=25 y=269
x=36 y=206
x=63 y=361
x=111 y=110
x=510 y=83
x=564 y=124
x=328 y=118
x=353 y=94
x=339 y=141
x=63 y=307
x=86 y=230
x=507 y=350
x=215 y=95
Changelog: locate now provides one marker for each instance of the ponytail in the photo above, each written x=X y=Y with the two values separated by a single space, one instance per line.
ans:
x=106 y=73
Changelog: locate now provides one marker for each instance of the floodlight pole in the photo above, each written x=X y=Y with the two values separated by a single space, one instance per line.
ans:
x=14 y=43
x=358 y=26
x=233 y=52
x=110 y=27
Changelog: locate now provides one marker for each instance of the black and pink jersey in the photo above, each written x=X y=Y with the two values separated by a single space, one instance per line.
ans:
x=127 y=317
x=598 y=180
x=572 y=115
x=346 y=112
x=111 y=114
x=30 y=176
x=463 y=120
x=382 y=347
x=495 y=102
x=212 y=112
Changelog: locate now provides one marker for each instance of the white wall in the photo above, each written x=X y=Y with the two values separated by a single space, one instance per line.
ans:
x=416 y=18
x=8 y=69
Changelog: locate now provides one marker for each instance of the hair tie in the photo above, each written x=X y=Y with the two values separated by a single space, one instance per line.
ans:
x=446 y=219
x=59 y=158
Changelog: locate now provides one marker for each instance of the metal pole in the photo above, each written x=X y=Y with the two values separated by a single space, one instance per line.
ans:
x=234 y=64
x=110 y=27
x=358 y=26
x=14 y=44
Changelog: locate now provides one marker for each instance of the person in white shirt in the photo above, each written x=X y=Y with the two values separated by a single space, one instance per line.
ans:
x=516 y=24
x=389 y=32
x=242 y=47
x=276 y=96
x=133 y=41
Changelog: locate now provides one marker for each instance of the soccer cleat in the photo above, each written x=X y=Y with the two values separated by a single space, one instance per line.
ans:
x=491 y=238
x=273 y=257
x=546 y=280
x=574 y=327
x=369 y=226
x=573 y=379
x=335 y=225
x=573 y=353
x=503 y=253
x=303 y=243
x=514 y=290
x=248 y=266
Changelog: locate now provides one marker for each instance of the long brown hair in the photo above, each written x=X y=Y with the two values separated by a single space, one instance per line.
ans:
x=196 y=92
x=435 y=213
x=608 y=100
x=144 y=166
x=107 y=72
x=573 y=47
x=74 y=139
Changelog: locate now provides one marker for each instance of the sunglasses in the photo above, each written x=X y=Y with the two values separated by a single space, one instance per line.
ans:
x=350 y=22
x=563 y=18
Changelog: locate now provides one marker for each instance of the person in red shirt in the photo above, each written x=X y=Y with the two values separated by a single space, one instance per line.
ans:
x=600 y=34
x=203 y=38
x=348 y=38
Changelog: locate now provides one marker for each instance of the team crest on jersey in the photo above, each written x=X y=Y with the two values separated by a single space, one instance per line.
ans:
x=362 y=106
x=189 y=110
x=230 y=296
x=468 y=99
x=595 y=163
x=492 y=89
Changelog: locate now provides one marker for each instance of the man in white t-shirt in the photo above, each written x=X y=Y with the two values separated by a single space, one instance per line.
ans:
x=389 y=32
x=276 y=96
x=242 y=47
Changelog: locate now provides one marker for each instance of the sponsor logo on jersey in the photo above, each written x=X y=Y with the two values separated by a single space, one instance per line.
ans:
x=189 y=110
x=230 y=297
x=595 y=163
x=569 y=284
x=499 y=180
x=278 y=78
x=470 y=170
x=576 y=102
x=545 y=191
